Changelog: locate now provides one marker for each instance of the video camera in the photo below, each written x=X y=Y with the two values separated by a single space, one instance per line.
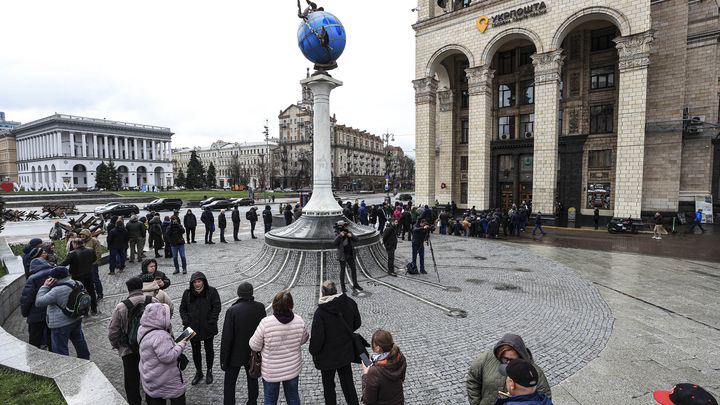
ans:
x=340 y=226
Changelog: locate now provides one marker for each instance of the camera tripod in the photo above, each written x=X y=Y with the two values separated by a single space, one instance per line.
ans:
x=432 y=254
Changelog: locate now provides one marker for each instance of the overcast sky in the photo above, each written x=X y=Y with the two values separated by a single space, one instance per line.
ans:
x=207 y=70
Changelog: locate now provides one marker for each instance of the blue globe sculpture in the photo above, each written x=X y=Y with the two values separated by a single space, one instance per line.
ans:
x=321 y=39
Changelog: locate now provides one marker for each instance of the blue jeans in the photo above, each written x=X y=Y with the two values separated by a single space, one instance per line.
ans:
x=443 y=229
x=116 y=259
x=96 y=280
x=179 y=249
x=419 y=250
x=538 y=226
x=73 y=332
x=271 y=391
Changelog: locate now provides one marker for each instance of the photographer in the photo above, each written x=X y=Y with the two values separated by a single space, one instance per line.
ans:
x=419 y=235
x=345 y=243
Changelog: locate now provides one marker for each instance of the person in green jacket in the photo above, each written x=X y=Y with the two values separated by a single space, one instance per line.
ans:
x=484 y=380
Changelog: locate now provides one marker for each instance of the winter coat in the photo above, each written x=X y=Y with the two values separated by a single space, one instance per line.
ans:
x=119 y=323
x=484 y=380
x=331 y=340
x=207 y=218
x=419 y=234
x=381 y=216
x=53 y=298
x=389 y=238
x=190 y=221
x=80 y=261
x=92 y=243
x=297 y=213
x=39 y=272
x=118 y=238
x=536 y=398
x=26 y=258
x=252 y=216
x=158 y=274
x=235 y=217
x=288 y=215
x=164 y=226
x=363 y=213
x=201 y=310
x=267 y=216
x=152 y=289
x=383 y=383
x=241 y=320
x=340 y=243
x=406 y=219
x=347 y=212
x=279 y=344
x=156 y=233
x=159 y=372
x=135 y=230
x=175 y=234
x=222 y=221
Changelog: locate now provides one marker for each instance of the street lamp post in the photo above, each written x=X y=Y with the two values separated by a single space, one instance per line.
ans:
x=266 y=165
x=387 y=137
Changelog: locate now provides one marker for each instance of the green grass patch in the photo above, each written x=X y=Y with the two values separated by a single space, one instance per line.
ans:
x=60 y=249
x=18 y=388
x=17 y=248
x=200 y=194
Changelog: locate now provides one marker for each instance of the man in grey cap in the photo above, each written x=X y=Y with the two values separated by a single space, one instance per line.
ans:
x=241 y=320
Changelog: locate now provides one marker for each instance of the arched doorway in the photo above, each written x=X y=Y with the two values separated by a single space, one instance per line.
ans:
x=159 y=177
x=46 y=176
x=141 y=176
x=54 y=174
x=79 y=176
x=124 y=175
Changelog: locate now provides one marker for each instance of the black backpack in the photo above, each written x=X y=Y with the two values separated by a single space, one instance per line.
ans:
x=134 y=313
x=411 y=268
x=247 y=215
x=78 y=303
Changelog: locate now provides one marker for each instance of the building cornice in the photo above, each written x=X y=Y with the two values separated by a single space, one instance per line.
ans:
x=85 y=124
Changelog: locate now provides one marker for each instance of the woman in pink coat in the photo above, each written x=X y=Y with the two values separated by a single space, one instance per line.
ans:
x=160 y=373
x=278 y=338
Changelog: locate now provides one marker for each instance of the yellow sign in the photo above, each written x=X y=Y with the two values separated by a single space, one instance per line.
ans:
x=482 y=23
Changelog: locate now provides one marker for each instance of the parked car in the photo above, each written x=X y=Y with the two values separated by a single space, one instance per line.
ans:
x=219 y=204
x=164 y=204
x=103 y=208
x=121 y=210
x=403 y=197
x=244 y=201
x=211 y=199
x=288 y=190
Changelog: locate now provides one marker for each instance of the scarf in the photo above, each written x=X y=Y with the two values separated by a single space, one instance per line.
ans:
x=199 y=290
x=375 y=357
x=284 y=317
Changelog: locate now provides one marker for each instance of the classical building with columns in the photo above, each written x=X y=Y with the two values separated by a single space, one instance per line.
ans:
x=65 y=150
x=581 y=104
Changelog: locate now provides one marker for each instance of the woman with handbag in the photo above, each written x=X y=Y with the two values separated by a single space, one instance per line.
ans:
x=382 y=381
x=160 y=368
x=278 y=338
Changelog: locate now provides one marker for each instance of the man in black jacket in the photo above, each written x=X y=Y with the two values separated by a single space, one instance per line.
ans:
x=190 y=222
x=253 y=218
x=345 y=244
x=267 y=218
x=331 y=342
x=236 y=223
x=420 y=233
x=381 y=217
x=241 y=320
x=136 y=237
x=390 y=241
x=222 y=224
x=200 y=309
x=81 y=261
x=208 y=219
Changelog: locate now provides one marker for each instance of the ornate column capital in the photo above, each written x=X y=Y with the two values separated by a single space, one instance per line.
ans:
x=634 y=50
x=548 y=65
x=446 y=100
x=479 y=80
x=425 y=90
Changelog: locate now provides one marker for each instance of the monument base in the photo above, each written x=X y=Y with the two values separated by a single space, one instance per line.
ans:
x=311 y=232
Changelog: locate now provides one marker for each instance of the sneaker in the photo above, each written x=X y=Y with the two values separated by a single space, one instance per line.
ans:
x=176 y=272
x=99 y=297
x=357 y=287
x=184 y=271
x=112 y=273
x=392 y=273
x=658 y=238
x=654 y=237
x=423 y=272
x=94 y=313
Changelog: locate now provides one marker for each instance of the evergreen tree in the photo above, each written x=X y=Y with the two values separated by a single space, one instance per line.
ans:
x=180 y=178
x=114 y=182
x=101 y=176
x=195 y=177
x=211 y=177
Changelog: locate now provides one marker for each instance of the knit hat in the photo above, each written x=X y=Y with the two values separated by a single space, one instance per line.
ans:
x=134 y=283
x=59 y=272
x=86 y=233
x=35 y=241
x=36 y=252
x=245 y=290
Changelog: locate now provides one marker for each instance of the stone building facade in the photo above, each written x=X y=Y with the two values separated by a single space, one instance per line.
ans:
x=8 y=157
x=581 y=104
x=358 y=157
x=64 y=150
x=257 y=162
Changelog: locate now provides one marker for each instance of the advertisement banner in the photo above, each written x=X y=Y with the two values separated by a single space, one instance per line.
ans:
x=705 y=203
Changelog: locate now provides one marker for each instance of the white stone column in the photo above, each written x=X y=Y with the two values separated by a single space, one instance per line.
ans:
x=144 y=150
x=135 y=149
x=127 y=149
x=322 y=201
x=116 y=151
x=84 y=146
x=72 y=144
x=169 y=151
x=634 y=59
x=153 y=150
x=425 y=103
x=545 y=149
x=95 y=146
x=58 y=137
x=105 y=145
x=480 y=135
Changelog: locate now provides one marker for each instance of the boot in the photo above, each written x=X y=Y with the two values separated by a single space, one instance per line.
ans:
x=198 y=377
x=209 y=377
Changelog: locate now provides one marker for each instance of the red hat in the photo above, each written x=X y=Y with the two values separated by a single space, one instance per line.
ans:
x=685 y=394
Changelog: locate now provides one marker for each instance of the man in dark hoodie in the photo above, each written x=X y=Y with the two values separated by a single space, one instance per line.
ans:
x=236 y=223
x=252 y=216
x=190 y=222
x=175 y=239
x=241 y=320
x=267 y=218
x=288 y=215
x=165 y=225
x=484 y=376
x=521 y=382
x=34 y=242
x=117 y=241
x=331 y=342
x=222 y=224
x=208 y=219
x=345 y=244
x=200 y=310
x=37 y=324
x=136 y=238
x=390 y=241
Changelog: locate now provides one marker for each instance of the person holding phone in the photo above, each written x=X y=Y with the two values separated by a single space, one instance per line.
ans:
x=200 y=309
x=160 y=372
x=383 y=380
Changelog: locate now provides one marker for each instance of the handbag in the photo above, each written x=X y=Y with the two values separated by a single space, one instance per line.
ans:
x=183 y=361
x=358 y=341
x=255 y=361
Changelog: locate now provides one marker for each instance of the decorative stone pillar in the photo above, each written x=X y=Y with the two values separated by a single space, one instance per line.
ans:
x=480 y=135
x=105 y=146
x=135 y=149
x=72 y=144
x=153 y=151
x=446 y=136
x=425 y=103
x=126 y=150
x=545 y=149
x=58 y=137
x=144 y=150
x=84 y=146
x=95 y=146
x=169 y=150
x=634 y=59
x=116 y=152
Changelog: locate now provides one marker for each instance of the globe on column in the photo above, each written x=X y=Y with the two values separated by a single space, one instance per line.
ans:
x=321 y=38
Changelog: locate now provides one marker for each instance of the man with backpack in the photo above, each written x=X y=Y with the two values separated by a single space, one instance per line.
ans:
x=252 y=216
x=123 y=335
x=66 y=301
x=81 y=261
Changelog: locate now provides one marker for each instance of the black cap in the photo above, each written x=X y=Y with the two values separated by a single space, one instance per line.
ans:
x=522 y=372
x=245 y=290
x=134 y=283
x=685 y=394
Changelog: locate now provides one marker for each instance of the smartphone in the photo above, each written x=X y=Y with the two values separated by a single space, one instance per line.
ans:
x=187 y=332
x=364 y=358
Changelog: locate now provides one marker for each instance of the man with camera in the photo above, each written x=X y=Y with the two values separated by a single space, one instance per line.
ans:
x=420 y=233
x=345 y=243
x=390 y=240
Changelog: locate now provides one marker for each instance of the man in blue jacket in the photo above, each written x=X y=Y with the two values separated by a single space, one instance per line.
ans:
x=697 y=222
x=34 y=242
x=37 y=325
x=521 y=381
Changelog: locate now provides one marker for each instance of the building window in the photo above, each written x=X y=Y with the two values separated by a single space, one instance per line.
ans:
x=506 y=167
x=525 y=55
x=506 y=95
x=602 y=78
x=464 y=131
x=601 y=119
x=463 y=193
x=602 y=39
x=506 y=128
x=527 y=92
x=600 y=159
x=527 y=125
x=464 y=163
x=506 y=62
x=464 y=99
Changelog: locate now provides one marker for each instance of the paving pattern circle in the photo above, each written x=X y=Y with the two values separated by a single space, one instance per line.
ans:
x=486 y=289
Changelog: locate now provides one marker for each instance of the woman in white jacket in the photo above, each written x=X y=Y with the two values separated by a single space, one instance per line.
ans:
x=278 y=338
